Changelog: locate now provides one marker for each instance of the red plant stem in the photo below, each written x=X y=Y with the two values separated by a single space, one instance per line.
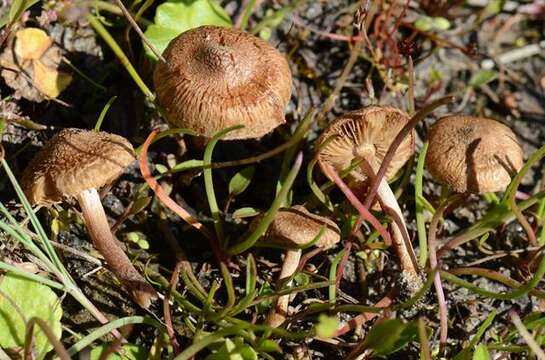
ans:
x=362 y=209
x=342 y=263
x=496 y=276
x=436 y=39
x=168 y=201
x=297 y=21
x=420 y=115
x=51 y=337
x=443 y=309
x=166 y=308
x=116 y=346
x=307 y=256
x=520 y=195
x=365 y=317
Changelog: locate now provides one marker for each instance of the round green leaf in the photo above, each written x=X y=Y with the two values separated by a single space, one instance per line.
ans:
x=327 y=326
x=174 y=17
x=31 y=300
x=424 y=24
x=440 y=23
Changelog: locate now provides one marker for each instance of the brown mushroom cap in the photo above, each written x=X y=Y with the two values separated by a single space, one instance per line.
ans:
x=72 y=161
x=217 y=77
x=296 y=226
x=365 y=133
x=473 y=154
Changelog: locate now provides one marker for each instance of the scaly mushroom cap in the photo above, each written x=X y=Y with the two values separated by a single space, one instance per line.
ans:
x=217 y=77
x=472 y=154
x=72 y=161
x=296 y=226
x=366 y=133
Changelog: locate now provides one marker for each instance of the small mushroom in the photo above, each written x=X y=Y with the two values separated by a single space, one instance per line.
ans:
x=473 y=154
x=75 y=163
x=365 y=135
x=216 y=78
x=292 y=229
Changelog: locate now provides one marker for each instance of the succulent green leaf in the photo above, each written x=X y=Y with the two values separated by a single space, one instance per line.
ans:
x=239 y=183
x=483 y=77
x=268 y=346
x=424 y=23
x=441 y=24
x=245 y=212
x=481 y=353
x=389 y=336
x=327 y=326
x=233 y=349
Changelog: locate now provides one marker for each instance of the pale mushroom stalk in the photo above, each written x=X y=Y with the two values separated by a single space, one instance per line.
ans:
x=400 y=235
x=279 y=311
x=103 y=239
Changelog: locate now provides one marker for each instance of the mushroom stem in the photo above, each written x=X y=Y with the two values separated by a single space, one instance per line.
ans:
x=279 y=311
x=400 y=237
x=104 y=241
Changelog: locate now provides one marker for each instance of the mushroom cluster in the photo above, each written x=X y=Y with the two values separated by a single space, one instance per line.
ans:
x=215 y=78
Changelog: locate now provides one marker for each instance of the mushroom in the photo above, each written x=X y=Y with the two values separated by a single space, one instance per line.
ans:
x=292 y=229
x=365 y=135
x=473 y=154
x=216 y=78
x=75 y=163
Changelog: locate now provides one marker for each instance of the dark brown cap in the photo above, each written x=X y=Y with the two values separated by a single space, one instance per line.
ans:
x=473 y=154
x=72 y=161
x=366 y=133
x=216 y=77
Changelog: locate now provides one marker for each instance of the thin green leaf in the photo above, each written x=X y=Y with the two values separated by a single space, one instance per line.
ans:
x=104 y=112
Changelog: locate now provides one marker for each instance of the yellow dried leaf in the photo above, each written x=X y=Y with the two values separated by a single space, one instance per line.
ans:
x=49 y=81
x=31 y=43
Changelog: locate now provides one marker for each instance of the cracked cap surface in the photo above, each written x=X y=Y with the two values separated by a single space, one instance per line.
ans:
x=72 y=161
x=217 y=77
